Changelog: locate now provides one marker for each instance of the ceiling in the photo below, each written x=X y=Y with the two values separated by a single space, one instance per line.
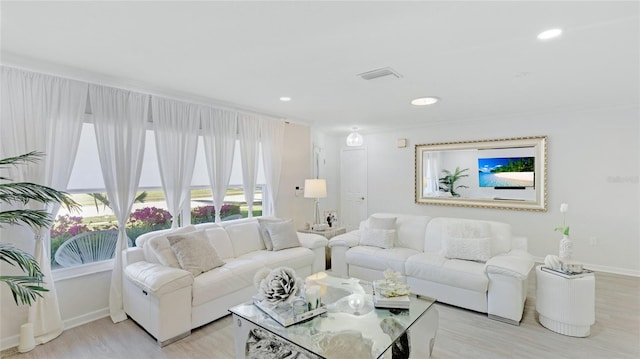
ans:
x=482 y=59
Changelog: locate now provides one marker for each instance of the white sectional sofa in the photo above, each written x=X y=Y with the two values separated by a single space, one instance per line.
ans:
x=472 y=264
x=169 y=301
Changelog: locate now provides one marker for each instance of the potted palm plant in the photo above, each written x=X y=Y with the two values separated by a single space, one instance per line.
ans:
x=449 y=180
x=26 y=288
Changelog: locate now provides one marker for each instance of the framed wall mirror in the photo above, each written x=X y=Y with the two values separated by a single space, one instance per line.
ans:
x=503 y=173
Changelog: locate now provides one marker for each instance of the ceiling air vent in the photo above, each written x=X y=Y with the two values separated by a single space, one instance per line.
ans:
x=377 y=73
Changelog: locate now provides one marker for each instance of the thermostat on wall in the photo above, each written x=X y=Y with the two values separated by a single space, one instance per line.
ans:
x=402 y=142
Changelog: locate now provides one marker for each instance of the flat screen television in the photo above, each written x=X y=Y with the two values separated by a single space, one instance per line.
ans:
x=506 y=172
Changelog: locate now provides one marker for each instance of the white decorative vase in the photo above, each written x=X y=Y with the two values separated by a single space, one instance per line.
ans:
x=566 y=247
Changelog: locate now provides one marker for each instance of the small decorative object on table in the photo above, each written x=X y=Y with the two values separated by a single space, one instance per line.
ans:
x=566 y=245
x=391 y=292
x=279 y=295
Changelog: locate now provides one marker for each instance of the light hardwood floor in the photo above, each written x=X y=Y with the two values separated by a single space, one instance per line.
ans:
x=461 y=334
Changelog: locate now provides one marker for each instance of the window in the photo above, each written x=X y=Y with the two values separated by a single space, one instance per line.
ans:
x=95 y=224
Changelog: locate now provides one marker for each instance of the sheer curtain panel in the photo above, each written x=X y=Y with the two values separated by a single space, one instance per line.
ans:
x=119 y=118
x=219 y=128
x=42 y=113
x=249 y=131
x=272 y=139
x=176 y=127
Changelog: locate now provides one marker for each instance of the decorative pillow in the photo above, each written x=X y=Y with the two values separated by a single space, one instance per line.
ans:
x=265 y=233
x=382 y=238
x=382 y=222
x=194 y=252
x=473 y=249
x=160 y=247
x=283 y=235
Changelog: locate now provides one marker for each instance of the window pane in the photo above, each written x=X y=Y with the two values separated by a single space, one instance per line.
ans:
x=234 y=207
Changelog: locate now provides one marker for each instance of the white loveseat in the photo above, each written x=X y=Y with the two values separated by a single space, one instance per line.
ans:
x=169 y=301
x=491 y=279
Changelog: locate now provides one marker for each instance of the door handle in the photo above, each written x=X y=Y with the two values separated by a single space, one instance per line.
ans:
x=362 y=198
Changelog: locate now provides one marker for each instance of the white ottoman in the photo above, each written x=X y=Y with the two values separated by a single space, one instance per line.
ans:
x=566 y=305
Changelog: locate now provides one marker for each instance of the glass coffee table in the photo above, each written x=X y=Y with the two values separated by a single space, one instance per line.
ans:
x=351 y=328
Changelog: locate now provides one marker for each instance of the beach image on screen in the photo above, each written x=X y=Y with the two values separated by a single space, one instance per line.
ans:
x=506 y=172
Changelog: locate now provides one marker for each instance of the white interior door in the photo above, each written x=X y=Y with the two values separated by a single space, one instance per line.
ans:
x=353 y=186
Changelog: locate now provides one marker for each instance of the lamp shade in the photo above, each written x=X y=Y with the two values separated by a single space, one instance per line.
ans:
x=315 y=188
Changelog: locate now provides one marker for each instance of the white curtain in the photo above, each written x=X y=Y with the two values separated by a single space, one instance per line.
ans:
x=119 y=117
x=272 y=138
x=42 y=113
x=249 y=131
x=431 y=173
x=219 y=133
x=176 y=127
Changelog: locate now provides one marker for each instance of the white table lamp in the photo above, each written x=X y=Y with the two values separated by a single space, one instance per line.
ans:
x=315 y=188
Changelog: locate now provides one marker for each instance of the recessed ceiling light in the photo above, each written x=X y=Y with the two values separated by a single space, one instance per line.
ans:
x=424 y=101
x=549 y=34
x=285 y=98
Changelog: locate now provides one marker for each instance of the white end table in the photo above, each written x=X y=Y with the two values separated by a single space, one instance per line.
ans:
x=565 y=305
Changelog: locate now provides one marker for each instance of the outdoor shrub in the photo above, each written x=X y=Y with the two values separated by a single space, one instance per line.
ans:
x=205 y=214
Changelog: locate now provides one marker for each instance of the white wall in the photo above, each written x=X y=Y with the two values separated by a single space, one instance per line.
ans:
x=86 y=298
x=593 y=161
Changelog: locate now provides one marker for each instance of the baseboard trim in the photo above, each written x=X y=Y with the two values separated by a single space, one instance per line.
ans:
x=9 y=343
x=606 y=269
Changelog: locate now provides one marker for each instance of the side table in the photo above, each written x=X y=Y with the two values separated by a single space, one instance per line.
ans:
x=565 y=305
x=328 y=234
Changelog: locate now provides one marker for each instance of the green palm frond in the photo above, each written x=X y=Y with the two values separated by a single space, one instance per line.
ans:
x=31 y=157
x=24 y=192
x=24 y=289
x=33 y=218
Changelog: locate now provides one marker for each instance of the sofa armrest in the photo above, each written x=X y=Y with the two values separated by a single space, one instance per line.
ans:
x=517 y=263
x=156 y=278
x=312 y=241
x=132 y=255
x=349 y=239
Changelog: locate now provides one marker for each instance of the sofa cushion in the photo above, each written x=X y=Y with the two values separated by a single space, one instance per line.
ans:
x=235 y=275
x=156 y=278
x=431 y=266
x=381 y=238
x=220 y=240
x=410 y=229
x=194 y=252
x=282 y=235
x=245 y=237
x=382 y=222
x=297 y=257
x=474 y=249
x=378 y=258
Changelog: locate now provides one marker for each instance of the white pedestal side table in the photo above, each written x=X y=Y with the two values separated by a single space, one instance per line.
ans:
x=565 y=305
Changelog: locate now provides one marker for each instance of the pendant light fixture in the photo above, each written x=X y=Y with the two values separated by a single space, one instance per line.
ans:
x=354 y=139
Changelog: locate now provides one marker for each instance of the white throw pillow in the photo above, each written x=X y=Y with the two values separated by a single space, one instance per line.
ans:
x=283 y=235
x=382 y=238
x=160 y=247
x=194 y=252
x=265 y=233
x=473 y=249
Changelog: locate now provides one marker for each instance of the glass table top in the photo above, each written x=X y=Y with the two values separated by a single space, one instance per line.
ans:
x=351 y=325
